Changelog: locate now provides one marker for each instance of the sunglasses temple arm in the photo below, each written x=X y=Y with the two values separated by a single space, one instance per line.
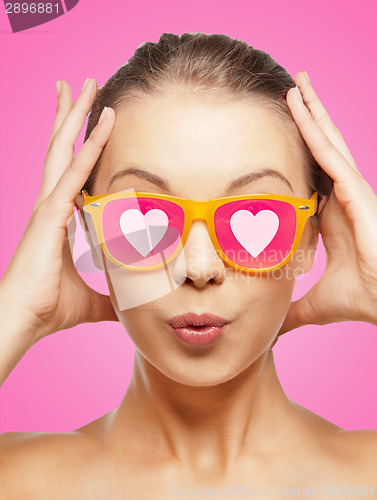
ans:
x=318 y=201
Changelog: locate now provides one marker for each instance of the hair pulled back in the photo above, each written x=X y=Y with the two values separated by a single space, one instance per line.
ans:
x=210 y=65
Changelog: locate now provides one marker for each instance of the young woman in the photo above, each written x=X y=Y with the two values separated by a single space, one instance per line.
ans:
x=196 y=117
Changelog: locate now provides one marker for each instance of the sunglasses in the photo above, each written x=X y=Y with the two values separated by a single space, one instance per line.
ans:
x=144 y=231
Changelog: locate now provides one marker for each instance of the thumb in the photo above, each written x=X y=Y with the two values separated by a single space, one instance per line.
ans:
x=102 y=309
x=301 y=312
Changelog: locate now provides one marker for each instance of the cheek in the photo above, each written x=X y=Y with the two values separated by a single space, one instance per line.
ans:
x=264 y=300
x=131 y=289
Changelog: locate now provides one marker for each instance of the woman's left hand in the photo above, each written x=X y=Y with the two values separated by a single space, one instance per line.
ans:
x=347 y=291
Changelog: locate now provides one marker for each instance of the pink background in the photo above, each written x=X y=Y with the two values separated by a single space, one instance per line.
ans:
x=73 y=377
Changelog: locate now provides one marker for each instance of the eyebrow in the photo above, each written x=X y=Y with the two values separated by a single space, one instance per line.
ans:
x=241 y=181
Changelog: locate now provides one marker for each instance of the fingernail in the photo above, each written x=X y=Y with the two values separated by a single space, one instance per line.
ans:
x=58 y=87
x=299 y=94
x=307 y=76
x=103 y=114
x=85 y=84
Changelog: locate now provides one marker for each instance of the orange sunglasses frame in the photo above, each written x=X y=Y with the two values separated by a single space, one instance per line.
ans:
x=199 y=210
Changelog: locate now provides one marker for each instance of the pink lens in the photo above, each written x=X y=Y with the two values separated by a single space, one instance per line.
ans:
x=142 y=232
x=256 y=234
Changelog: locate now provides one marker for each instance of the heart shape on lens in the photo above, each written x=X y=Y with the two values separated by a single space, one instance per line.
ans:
x=254 y=232
x=144 y=232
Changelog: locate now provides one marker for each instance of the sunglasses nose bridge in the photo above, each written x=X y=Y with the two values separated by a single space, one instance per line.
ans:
x=199 y=210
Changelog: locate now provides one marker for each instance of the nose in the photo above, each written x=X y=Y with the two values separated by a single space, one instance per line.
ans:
x=199 y=259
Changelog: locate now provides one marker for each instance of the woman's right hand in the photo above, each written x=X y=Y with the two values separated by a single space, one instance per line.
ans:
x=41 y=284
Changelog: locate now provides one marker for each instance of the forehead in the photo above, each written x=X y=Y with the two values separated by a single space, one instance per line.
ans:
x=197 y=143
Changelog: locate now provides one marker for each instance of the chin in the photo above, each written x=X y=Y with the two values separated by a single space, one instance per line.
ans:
x=208 y=370
x=201 y=379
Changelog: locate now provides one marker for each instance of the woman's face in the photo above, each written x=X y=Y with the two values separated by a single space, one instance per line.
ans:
x=198 y=147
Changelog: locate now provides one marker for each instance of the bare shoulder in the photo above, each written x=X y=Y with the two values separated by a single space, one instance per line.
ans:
x=45 y=460
x=359 y=450
x=353 y=453
x=36 y=457
x=363 y=442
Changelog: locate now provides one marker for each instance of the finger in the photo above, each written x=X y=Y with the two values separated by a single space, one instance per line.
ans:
x=74 y=121
x=350 y=188
x=61 y=148
x=64 y=106
x=78 y=171
x=323 y=150
x=322 y=118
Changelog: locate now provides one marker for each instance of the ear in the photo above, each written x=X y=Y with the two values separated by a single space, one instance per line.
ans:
x=322 y=203
x=308 y=253
x=79 y=204
x=90 y=234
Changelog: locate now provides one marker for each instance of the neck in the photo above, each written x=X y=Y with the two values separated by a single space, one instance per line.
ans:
x=206 y=428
